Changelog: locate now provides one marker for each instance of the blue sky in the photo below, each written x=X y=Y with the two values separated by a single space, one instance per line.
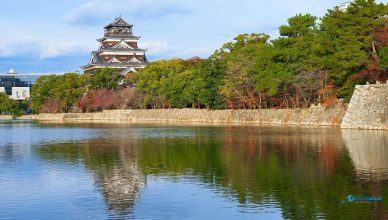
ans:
x=44 y=36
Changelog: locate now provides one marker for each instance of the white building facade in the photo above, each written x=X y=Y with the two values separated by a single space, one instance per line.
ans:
x=17 y=86
x=20 y=93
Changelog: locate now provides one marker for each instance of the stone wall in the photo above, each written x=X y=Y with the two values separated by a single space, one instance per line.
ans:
x=5 y=117
x=316 y=115
x=368 y=108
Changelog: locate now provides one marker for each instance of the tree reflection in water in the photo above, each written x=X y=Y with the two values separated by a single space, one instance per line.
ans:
x=369 y=153
x=307 y=172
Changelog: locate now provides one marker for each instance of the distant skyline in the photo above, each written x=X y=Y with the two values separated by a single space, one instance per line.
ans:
x=44 y=36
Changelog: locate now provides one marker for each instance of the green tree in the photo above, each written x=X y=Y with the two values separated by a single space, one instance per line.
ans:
x=383 y=58
x=287 y=71
x=9 y=106
x=63 y=89
x=105 y=78
x=208 y=77
x=153 y=81
x=170 y=83
x=238 y=86
x=42 y=91
x=347 y=41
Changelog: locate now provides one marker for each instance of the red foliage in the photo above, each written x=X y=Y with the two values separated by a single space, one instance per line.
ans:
x=84 y=102
x=50 y=106
x=101 y=99
x=380 y=36
x=372 y=72
x=98 y=100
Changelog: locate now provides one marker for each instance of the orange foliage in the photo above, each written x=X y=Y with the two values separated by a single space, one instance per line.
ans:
x=327 y=95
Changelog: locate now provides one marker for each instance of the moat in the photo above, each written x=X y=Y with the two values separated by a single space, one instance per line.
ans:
x=167 y=171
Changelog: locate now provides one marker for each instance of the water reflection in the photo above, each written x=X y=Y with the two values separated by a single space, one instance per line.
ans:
x=369 y=151
x=306 y=173
x=120 y=185
x=112 y=166
x=13 y=144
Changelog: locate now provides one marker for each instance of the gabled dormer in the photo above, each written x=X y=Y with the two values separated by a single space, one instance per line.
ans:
x=94 y=58
x=134 y=60
x=122 y=44
x=114 y=60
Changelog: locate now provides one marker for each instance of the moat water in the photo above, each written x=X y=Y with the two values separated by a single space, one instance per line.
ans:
x=159 y=171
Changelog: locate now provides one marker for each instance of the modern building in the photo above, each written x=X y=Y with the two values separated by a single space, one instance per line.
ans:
x=118 y=50
x=17 y=86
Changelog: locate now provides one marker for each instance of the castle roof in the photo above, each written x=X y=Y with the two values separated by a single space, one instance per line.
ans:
x=121 y=49
x=118 y=22
x=95 y=60
x=119 y=37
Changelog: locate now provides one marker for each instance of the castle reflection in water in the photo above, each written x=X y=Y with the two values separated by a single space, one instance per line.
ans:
x=253 y=164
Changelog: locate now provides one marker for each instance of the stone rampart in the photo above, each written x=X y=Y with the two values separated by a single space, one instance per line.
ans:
x=316 y=115
x=5 y=117
x=368 y=108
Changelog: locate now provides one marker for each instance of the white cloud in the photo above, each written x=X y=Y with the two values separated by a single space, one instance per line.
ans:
x=10 y=49
x=97 y=11
x=40 y=49
x=51 y=50
x=155 y=47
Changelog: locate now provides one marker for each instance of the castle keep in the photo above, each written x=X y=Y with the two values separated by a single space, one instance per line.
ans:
x=118 y=50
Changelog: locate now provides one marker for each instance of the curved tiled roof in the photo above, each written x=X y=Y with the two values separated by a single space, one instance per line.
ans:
x=121 y=37
x=118 y=22
x=110 y=49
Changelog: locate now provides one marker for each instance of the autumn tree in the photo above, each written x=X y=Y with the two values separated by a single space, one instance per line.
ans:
x=239 y=89
x=348 y=43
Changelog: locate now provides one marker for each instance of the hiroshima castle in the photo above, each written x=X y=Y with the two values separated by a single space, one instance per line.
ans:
x=118 y=50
